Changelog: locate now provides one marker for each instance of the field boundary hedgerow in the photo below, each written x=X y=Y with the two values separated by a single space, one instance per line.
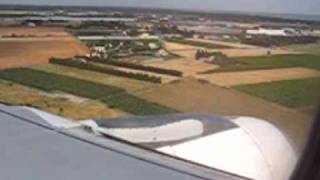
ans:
x=140 y=67
x=106 y=70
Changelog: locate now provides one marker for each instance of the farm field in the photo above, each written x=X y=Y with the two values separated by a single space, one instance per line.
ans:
x=164 y=78
x=189 y=51
x=55 y=88
x=107 y=69
x=187 y=66
x=186 y=52
x=26 y=51
x=292 y=93
x=129 y=85
x=17 y=54
x=228 y=79
x=270 y=62
x=307 y=48
x=112 y=96
x=223 y=43
x=32 y=31
x=254 y=52
x=199 y=44
x=36 y=39
x=15 y=94
x=186 y=63
x=171 y=46
x=190 y=95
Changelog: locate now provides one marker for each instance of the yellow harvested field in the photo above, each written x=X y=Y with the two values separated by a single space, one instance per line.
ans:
x=223 y=43
x=254 y=52
x=228 y=79
x=187 y=63
x=14 y=94
x=185 y=51
x=188 y=67
x=32 y=31
x=29 y=51
x=239 y=50
x=25 y=46
x=180 y=47
x=36 y=39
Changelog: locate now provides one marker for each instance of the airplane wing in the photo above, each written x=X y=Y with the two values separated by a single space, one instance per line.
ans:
x=38 y=145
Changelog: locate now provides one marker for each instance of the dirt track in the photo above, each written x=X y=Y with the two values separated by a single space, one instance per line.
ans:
x=229 y=79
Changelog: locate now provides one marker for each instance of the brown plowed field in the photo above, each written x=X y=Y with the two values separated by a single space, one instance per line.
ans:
x=25 y=51
x=32 y=31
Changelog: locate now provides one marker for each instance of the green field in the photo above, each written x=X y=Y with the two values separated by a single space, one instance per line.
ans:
x=197 y=43
x=307 y=48
x=130 y=85
x=19 y=95
x=271 y=62
x=291 y=93
x=112 y=96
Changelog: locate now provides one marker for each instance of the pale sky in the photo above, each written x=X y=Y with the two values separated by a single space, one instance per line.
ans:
x=268 y=6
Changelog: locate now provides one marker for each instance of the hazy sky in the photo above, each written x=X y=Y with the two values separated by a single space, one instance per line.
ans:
x=278 y=6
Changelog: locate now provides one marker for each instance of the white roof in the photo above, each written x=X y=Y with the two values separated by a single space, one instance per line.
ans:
x=271 y=32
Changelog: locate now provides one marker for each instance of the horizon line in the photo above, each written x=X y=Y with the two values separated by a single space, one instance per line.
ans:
x=165 y=8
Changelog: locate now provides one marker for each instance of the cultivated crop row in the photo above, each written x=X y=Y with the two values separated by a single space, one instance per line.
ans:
x=112 y=96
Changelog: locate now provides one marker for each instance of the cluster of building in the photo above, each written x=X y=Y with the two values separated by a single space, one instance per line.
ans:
x=137 y=26
x=210 y=28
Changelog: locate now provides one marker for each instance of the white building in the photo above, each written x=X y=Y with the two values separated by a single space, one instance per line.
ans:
x=269 y=32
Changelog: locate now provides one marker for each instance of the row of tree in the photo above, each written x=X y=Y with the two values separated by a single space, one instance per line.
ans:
x=107 y=70
x=267 y=41
x=140 y=67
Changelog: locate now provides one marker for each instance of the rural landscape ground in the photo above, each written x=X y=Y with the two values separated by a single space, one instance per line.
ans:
x=36 y=45
x=282 y=88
